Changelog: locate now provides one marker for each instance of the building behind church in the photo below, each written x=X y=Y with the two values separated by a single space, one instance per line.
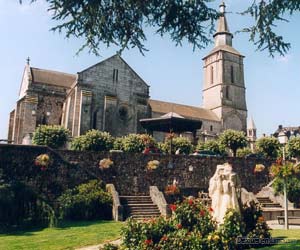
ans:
x=111 y=96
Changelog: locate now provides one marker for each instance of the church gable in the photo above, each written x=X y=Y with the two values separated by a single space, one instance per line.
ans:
x=119 y=96
x=26 y=79
x=115 y=71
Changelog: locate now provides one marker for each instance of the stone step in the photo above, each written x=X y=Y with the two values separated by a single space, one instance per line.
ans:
x=138 y=202
x=135 y=198
x=270 y=205
x=139 y=207
x=141 y=217
x=263 y=198
x=145 y=213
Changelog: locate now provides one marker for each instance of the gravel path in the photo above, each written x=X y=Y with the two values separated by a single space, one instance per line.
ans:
x=96 y=247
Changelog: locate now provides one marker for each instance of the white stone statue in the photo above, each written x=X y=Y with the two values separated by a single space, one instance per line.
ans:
x=224 y=191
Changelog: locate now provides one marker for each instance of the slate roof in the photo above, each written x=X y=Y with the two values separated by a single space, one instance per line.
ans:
x=183 y=110
x=52 y=77
x=226 y=48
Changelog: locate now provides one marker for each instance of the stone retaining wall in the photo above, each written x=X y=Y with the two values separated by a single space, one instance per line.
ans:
x=128 y=173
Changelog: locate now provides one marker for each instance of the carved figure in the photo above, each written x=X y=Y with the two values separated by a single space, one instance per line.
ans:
x=224 y=191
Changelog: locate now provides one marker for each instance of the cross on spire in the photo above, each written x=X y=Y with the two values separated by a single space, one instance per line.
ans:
x=222 y=7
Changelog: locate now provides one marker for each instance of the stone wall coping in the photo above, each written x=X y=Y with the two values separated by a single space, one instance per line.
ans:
x=117 y=207
x=158 y=199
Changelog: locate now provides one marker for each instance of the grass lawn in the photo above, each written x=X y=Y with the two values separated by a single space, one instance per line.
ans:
x=291 y=239
x=68 y=235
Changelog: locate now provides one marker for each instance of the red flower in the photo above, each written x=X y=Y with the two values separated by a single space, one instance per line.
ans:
x=191 y=202
x=211 y=210
x=179 y=226
x=173 y=207
x=164 y=238
x=148 y=242
x=202 y=213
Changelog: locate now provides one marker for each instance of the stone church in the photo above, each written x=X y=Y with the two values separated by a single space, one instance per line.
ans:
x=111 y=96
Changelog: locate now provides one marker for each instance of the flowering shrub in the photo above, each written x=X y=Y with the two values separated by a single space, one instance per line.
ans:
x=152 y=165
x=105 y=163
x=43 y=161
x=191 y=227
x=259 y=168
x=288 y=173
x=284 y=170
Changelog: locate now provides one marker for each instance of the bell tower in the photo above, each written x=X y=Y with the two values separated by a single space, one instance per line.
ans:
x=224 y=87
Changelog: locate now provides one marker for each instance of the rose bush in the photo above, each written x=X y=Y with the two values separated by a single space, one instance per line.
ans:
x=191 y=227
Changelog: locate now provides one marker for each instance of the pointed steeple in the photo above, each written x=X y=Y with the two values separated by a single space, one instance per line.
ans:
x=223 y=35
x=251 y=124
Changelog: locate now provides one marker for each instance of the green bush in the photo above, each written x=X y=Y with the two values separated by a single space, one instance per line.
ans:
x=242 y=152
x=136 y=143
x=50 y=135
x=118 y=143
x=93 y=140
x=293 y=147
x=182 y=143
x=211 y=145
x=191 y=227
x=293 y=188
x=20 y=206
x=87 y=201
x=233 y=140
x=268 y=146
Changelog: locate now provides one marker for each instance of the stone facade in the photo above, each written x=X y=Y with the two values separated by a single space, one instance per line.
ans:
x=111 y=96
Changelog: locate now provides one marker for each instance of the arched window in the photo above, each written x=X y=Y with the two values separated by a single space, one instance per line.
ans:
x=227 y=96
x=211 y=75
x=95 y=120
x=232 y=73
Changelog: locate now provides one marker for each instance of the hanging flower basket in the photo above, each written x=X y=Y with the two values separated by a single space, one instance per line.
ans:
x=152 y=165
x=259 y=168
x=43 y=161
x=105 y=163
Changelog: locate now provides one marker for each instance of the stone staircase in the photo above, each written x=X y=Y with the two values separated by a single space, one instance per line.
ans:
x=139 y=207
x=265 y=202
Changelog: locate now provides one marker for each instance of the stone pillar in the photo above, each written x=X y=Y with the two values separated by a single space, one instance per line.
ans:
x=109 y=114
x=85 y=111
x=29 y=116
x=11 y=126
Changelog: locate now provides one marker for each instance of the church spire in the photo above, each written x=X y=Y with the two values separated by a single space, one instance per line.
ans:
x=223 y=35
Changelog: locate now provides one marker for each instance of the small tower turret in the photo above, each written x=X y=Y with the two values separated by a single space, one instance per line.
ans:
x=251 y=133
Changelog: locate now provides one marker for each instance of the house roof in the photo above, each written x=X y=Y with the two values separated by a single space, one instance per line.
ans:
x=186 y=111
x=52 y=77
